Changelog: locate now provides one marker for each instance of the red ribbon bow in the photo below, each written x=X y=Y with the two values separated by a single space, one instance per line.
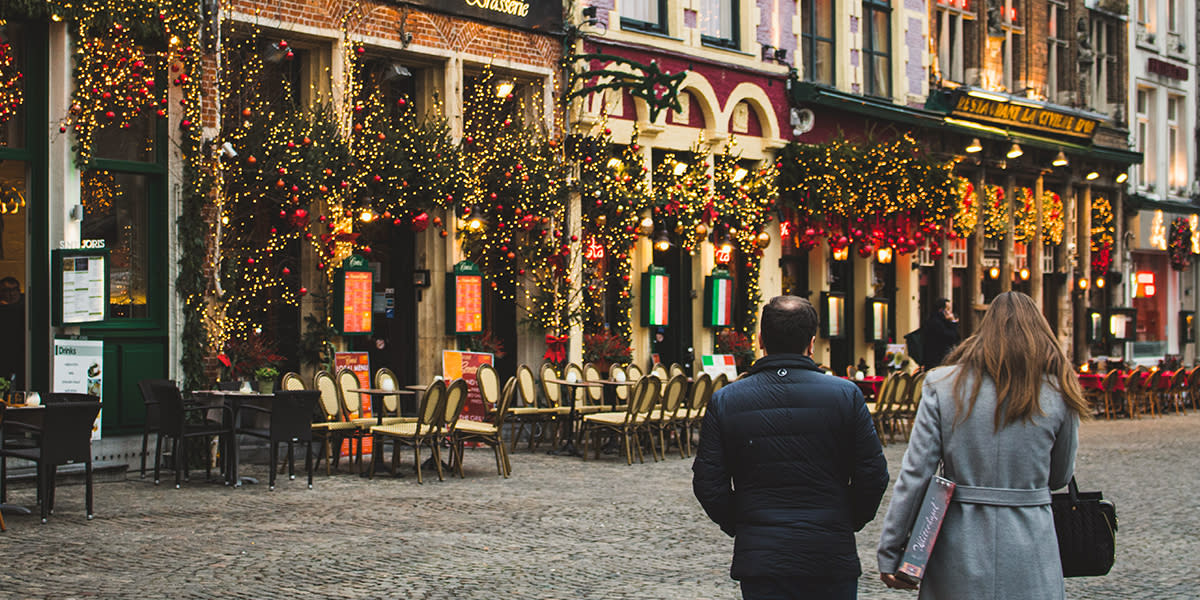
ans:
x=556 y=348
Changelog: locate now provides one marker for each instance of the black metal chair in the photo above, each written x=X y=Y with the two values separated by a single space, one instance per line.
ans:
x=175 y=424
x=290 y=416
x=151 y=424
x=62 y=434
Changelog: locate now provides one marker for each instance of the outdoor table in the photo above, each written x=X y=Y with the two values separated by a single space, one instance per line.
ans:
x=568 y=448
x=234 y=399
x=377 y=395
x=869 y=385
x=26 y=414
x=610 y=386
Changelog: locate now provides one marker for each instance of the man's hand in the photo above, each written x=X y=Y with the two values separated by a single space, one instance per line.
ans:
x=896 y=583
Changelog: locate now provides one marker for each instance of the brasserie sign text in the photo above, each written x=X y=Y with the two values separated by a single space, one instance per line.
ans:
x=1025 y=116
x=537 y=15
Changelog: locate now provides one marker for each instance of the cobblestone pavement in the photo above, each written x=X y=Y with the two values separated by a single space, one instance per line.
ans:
x=560 y=528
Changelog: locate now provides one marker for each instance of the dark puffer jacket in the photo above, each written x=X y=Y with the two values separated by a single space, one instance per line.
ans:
x=806 y=469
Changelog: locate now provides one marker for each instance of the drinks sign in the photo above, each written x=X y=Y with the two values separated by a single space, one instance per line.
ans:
x=537 y=15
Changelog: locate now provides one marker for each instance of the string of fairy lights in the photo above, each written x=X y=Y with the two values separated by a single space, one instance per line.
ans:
x=12 y=88
x=1179 y=243
x=1103 y=236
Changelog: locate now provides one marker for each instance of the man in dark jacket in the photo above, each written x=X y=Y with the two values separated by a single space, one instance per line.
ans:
x=790 y=466
x=939 y=334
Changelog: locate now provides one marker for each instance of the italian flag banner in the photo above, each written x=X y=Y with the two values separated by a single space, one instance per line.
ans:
x=655 y=297
x=722 y=302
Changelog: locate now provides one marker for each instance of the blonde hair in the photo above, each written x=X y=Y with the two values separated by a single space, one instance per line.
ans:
x=1017 y=350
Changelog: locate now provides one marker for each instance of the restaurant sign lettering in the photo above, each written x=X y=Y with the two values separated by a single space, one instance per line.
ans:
x=537 y=15
x=1023 y=115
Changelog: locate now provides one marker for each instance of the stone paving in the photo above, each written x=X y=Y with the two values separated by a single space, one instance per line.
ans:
x=560 y=528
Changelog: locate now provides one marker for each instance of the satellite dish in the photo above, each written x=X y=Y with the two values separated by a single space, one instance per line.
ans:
x=802 y=121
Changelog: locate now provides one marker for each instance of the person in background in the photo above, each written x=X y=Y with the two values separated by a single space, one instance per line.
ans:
x=939 y=335
x=1003 y=420
x=12 y=323
x=790 y=466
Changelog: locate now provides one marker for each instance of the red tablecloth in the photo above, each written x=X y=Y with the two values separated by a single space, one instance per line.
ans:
x=869 y=385
x=1092 y=381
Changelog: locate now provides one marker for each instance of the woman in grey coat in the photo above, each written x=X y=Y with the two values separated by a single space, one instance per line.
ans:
x=1003 y=419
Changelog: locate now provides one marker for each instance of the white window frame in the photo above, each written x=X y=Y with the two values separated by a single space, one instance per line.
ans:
x=952 y=19
x=725 y=34
x=1144 y=113
x=1056 y=48
x=1177 y=160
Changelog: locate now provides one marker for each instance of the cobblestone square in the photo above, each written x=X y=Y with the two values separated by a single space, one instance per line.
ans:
x=559 y=528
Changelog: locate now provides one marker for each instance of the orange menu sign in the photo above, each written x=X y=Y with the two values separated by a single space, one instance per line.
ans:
x=356 y=306
x=468 y=304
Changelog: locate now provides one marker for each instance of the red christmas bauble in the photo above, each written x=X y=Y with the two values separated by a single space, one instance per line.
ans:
x=420 y=222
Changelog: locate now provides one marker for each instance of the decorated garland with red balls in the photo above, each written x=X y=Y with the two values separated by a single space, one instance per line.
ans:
x=12 y=92
x=1179 y=244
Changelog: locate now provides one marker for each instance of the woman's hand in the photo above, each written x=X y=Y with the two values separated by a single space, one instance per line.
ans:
x=896 y=583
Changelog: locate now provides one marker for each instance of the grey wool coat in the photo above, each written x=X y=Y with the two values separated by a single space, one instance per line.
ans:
x=994 y=544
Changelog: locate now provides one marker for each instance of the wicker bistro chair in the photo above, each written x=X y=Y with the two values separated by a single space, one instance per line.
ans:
x=291 y=382
x=697 y=405
x=618 y=373
x=881 y=411
x=489 y=389
x=1193 y=391
x=593 y=397
x=329 y=425
x=1153 y=391
x=905 y=410
x=677 y=369
x=1136 y=397
x=1112 y=398
x=385 y=379
x=456 y=399
x=670 y=415
x=539 y=417
x=488 y=434
x=424 y=431
x=718 y=382
x=1177 y=390
x=627 y=423
x=634 y=372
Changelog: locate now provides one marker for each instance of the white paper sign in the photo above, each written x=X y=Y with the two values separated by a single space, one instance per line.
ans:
x=83 y=289
x=717 y=364
x=79 y=369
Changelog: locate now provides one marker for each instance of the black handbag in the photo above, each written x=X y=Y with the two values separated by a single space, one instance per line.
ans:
x=1086 y=525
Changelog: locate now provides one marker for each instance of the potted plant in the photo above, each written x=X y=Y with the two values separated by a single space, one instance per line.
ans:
x=605 y=349
x=265 y=376
x=732 y=341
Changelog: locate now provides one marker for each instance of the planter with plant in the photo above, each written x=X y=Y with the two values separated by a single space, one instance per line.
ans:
x=606 y=349
x=732 y=341
x=265 y=376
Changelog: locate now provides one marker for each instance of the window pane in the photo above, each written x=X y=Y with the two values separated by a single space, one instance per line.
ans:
x=134 y=143
x=641 y=10
x=115 y=210
x=879 y=31
x=717 y=17
x=12 y=119
x=823 y=13
x=13 y=228
x=823 y=69
x=881 y=70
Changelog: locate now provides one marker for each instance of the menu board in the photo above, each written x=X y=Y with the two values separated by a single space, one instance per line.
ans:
x=81 y=283
x=356 y=305
x=468 y=303
x=360 y=364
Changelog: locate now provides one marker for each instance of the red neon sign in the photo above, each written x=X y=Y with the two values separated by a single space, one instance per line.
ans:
x=1144 y=284
x=594 y=251
x=723 y=253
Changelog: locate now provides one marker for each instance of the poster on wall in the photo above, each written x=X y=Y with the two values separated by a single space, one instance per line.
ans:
x=354 y=294
x=79 y=369
x=464 y=365
x=360 y=364
x=80 y=286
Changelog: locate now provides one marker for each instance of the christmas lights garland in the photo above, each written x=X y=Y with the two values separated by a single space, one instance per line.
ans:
x=1053 y=218
x=1103 y=235
x=995 y=213
x=1179 y=244
x=12 y=91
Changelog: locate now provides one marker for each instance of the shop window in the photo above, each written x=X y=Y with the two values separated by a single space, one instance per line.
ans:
x=394 y=80
x=1143 y=108
x=955 y=34
x=1004 y=60
x=12 y=118
x=719 y=23
x=816 y=33
x=14 y=282
x=1150 y=304
x=877 y=48
x=644 y=15
x=116 y=210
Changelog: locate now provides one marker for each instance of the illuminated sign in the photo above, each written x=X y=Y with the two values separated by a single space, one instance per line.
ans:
x=655 y=295
x=594 y=251
x=1143 y=284
x=1022 y=114
x=353 y=293
x=723 y=254
x=464 y=300
x=718 y=299
x=538 y=15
